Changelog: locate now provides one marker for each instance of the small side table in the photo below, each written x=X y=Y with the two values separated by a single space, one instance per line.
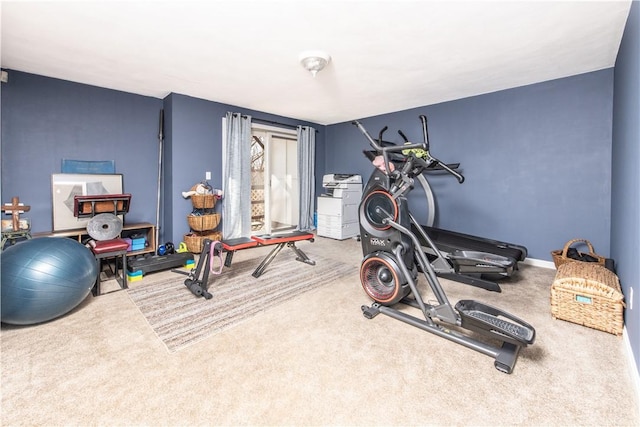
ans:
x=15 y=208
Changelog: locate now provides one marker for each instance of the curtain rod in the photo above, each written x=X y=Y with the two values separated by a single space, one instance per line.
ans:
x=271 y=122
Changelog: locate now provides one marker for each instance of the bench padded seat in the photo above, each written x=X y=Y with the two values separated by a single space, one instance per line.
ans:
x=107 y=246
x=238 y=244
x=274 y=239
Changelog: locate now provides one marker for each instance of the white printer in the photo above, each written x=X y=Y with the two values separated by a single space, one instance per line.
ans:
x=338 y=206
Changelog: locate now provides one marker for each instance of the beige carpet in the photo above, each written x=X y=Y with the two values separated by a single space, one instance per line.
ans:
x=180 y=318
x=313 y=360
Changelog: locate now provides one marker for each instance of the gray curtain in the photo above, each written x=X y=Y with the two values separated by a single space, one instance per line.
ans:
x=306 y=176
x=236 y=211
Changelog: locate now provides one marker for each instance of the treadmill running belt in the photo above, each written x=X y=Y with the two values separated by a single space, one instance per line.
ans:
x=449 y=241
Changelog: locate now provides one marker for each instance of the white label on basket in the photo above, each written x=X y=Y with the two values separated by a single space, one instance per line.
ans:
x=583 y=299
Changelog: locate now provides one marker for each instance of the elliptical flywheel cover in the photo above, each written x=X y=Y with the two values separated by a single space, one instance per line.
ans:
x=382 y=279
x=375 y=203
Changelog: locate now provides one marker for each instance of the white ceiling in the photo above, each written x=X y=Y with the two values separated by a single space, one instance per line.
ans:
x=386 y=55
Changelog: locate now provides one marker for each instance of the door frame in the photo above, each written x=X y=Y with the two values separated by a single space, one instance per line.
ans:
x=282 y=133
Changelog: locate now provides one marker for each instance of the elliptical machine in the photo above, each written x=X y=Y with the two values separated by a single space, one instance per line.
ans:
x=393 y=257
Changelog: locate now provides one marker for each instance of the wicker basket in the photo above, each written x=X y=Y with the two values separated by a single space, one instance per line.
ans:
x=203 y=201
x=203 y=222
x=560 y=256
x=195 y=241
x=588 y=294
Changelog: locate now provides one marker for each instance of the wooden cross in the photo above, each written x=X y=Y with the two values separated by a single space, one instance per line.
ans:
x=14 y=209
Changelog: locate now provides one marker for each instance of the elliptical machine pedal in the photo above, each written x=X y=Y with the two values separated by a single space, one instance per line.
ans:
x=486 y=319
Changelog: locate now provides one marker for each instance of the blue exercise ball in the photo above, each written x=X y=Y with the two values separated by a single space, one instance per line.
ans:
x=44 y=278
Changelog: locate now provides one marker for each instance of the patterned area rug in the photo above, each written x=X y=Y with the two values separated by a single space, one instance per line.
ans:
x=179 y=318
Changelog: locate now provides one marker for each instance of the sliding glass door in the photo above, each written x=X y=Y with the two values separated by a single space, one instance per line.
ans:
x=274 y=186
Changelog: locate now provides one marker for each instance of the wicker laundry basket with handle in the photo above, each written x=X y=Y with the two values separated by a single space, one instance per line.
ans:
x=560 y=256
x=588 y=294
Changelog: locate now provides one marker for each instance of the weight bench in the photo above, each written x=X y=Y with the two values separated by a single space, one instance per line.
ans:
x=230 y=246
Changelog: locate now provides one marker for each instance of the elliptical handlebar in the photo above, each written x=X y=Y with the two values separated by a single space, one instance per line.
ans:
x=408 y=147
x=389 y=149
x=425 y=132
x=444 y=166
x=372 y=142
x=425 y=136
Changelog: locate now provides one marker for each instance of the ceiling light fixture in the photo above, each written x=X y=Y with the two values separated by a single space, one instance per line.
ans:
x=314 y=60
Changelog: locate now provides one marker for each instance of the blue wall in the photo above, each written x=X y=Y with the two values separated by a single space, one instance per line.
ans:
x=535 y=158
x=625 y=197
x=540 y=151
x=46 y=120
x=194 y=146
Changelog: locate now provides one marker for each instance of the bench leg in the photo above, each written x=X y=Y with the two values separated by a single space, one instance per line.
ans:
x=265 y=262
x=120 y=277
x=228 y=259
x=302 y=257
x=95 y=291
x=124 y=283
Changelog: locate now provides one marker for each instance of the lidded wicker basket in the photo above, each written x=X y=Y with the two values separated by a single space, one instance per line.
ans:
x=588 y=294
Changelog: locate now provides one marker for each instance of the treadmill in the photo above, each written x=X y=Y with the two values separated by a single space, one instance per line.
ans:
x=469 y=259
x=450 y=241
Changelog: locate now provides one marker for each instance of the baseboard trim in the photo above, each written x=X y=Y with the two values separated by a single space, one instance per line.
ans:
x=633 y=367
x=539 y=263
